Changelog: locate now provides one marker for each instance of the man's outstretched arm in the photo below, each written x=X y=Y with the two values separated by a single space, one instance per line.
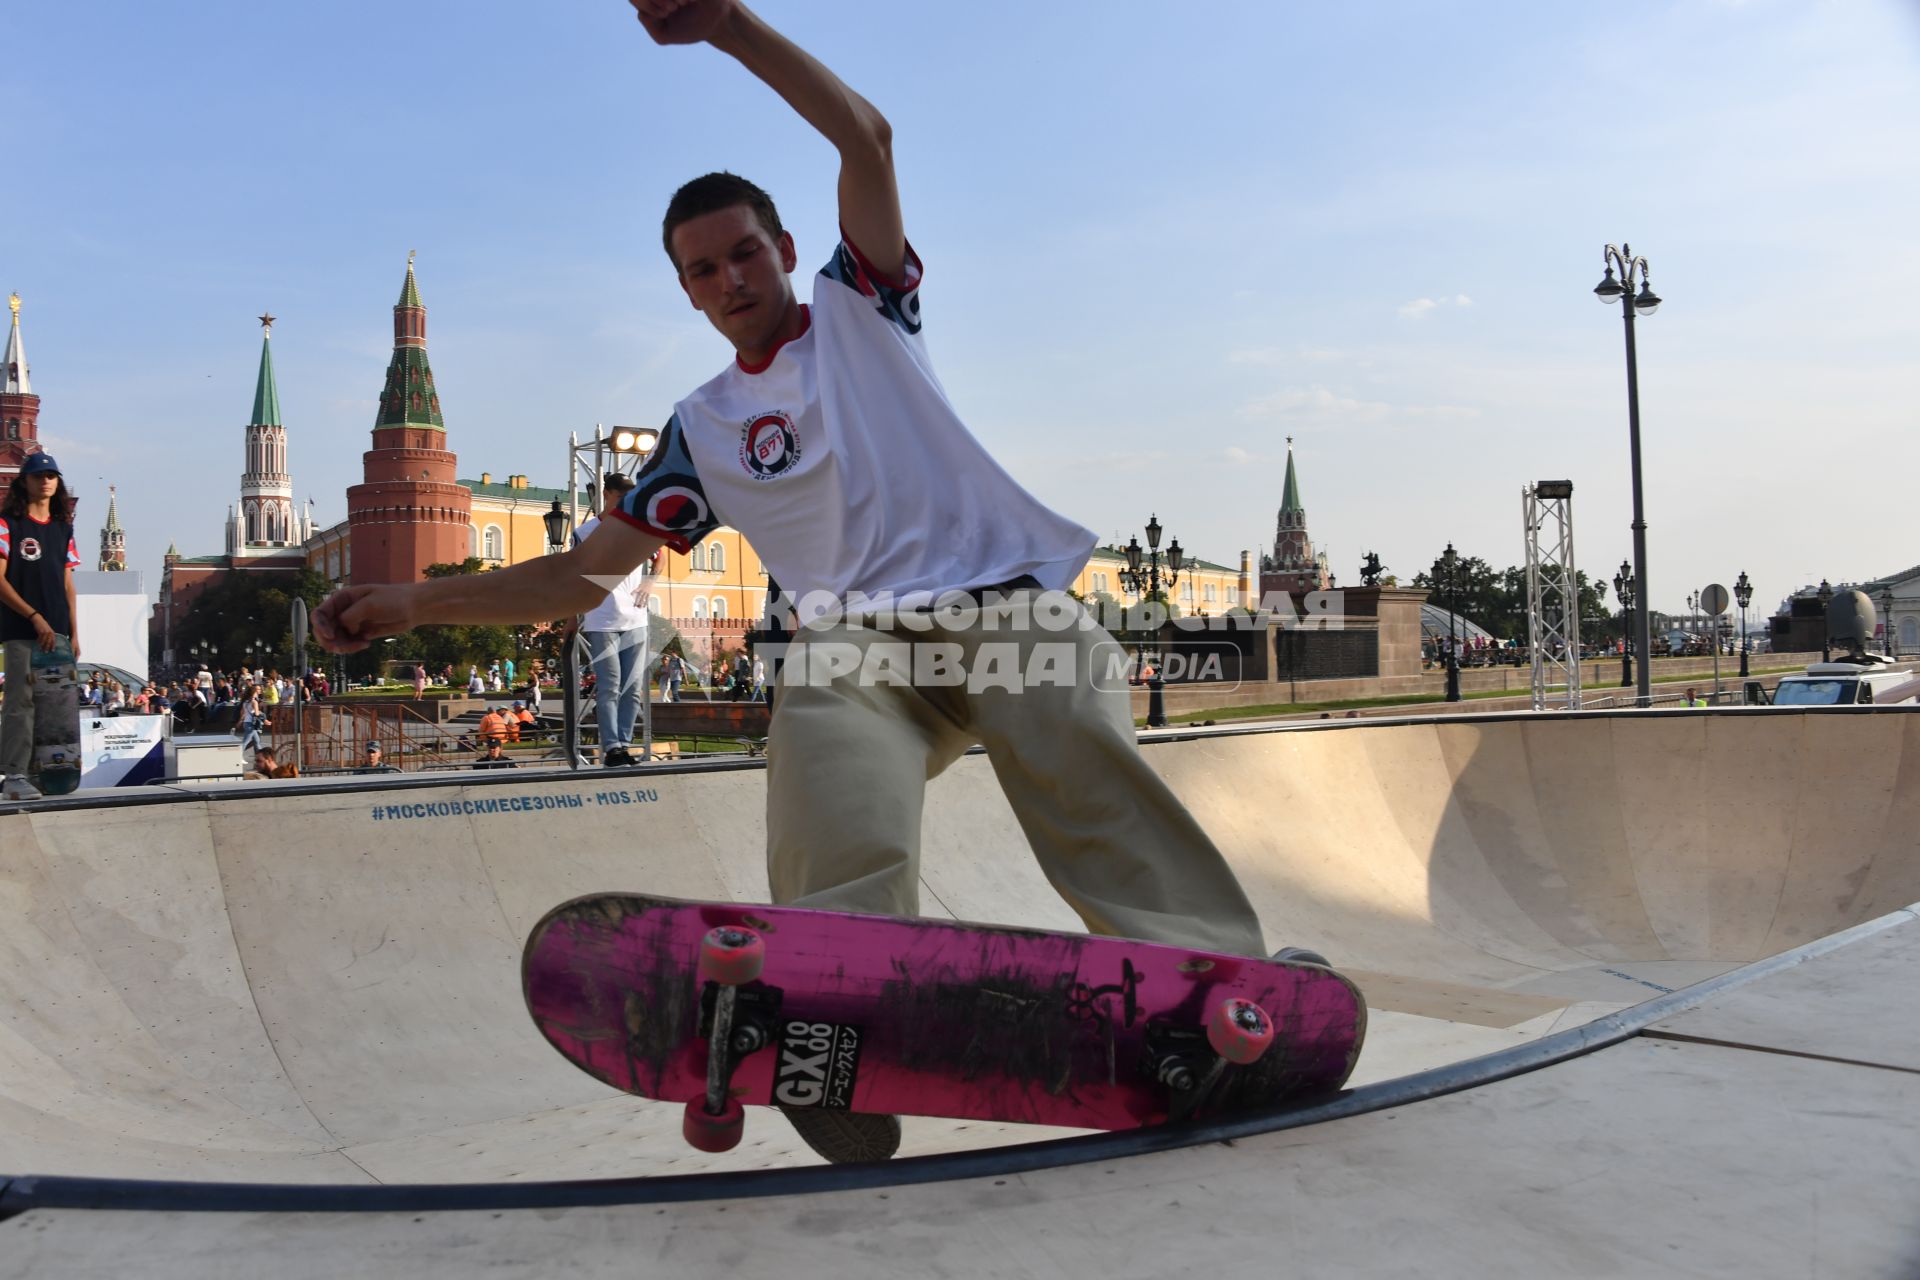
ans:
x=532 y=591
x=869 y=195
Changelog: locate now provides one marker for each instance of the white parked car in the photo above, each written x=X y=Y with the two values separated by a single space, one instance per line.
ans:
x=1834 y=684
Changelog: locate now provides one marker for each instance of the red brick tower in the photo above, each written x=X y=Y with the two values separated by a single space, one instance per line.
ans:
x=409 y=512
x=19 y=407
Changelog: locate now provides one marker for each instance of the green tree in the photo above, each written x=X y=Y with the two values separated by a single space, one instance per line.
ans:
x=246 y=619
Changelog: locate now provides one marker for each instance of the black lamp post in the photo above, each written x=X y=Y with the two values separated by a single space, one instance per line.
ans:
x=1450 y=565
x=1743 y=596
x=1623 y=588
x=1143 y=577
x=1645 y=303
x=556 y=522
x=1825 y=597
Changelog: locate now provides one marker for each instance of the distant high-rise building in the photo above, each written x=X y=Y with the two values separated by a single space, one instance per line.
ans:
x=409 y=511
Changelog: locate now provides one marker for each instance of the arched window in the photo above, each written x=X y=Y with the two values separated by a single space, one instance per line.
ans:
x=1909 y=635
x=1209 y=593
x=719 y=606
x=654 y=607
x=253 y=523
x=697 y=561
x=717 y=559
x=699 y=606
x=495 y=543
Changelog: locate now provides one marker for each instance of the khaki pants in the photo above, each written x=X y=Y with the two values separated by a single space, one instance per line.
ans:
x=16 y=718
x=851 y=750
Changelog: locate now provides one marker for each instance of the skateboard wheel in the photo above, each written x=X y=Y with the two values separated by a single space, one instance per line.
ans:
x=705 y=1132
x=1239 y=1031
x=731 y=955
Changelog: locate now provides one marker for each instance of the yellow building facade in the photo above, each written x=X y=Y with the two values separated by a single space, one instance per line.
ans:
x=723 y=578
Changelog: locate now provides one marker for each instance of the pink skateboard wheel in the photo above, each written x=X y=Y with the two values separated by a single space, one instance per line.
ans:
x=731 y=955
x=705 y=1132
x=1239 y=1031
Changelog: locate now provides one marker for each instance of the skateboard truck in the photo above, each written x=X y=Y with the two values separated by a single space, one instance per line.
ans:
x=736 y=1020
x=1190 y=1061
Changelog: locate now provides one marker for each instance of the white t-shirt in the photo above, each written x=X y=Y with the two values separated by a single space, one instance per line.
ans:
x=845 y=465
x=625 y=608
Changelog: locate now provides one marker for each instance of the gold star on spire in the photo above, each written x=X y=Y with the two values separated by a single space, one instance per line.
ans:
x=266 y=322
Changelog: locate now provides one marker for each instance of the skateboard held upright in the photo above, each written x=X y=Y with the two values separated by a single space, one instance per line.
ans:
x=55 y=768
x=721 y=1005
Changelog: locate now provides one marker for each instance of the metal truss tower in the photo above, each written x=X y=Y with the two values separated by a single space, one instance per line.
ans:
x=1553 y=591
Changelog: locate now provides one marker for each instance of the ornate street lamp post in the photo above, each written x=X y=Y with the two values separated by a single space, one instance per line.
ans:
x=1623 y=588
x=1743 y=596
x=1143 y=577
x=1450 y=564
x=1645 y=303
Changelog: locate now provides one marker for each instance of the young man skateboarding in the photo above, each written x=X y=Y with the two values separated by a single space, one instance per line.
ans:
x=829 y=442
x=36 y=603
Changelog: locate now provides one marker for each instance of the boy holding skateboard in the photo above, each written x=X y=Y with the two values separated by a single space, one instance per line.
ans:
x=829 y=442
x=36 y=612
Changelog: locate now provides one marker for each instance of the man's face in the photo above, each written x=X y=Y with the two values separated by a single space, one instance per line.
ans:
x=43 y=484
x=736 y=274
x=373 y=755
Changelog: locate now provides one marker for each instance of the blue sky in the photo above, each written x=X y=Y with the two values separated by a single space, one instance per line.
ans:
x=1156 y=247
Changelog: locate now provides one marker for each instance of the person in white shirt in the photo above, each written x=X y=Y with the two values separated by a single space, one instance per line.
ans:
x=829 y=442
x=616 y=633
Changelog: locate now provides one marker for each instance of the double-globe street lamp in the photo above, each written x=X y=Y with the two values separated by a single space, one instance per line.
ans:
x=1143 y=577
x=1623 y=589
x=1645 y=303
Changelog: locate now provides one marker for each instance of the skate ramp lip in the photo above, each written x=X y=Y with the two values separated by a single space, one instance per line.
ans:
x=19 y=1194
x=267 y=984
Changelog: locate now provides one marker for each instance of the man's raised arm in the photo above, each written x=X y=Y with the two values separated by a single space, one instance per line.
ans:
x=869 y=196
x=532 y=591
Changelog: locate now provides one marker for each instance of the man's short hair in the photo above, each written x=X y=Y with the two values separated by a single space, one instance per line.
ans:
x=711 y=193
x=616 y=480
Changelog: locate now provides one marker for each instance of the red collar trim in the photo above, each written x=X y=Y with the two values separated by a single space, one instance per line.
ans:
x=806 y=323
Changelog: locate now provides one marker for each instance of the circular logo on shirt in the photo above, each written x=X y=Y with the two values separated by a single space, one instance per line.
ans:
x=676 y=509
x=29 y=548
x=769 y=446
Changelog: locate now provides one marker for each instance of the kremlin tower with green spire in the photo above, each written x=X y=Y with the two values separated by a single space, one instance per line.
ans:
x=409 y=512
x=1293 y=566
x=265 y=523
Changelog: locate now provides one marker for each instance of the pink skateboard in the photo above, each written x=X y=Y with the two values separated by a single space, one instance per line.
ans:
x=923 y=1017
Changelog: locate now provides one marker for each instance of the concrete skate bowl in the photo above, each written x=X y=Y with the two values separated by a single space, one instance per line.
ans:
x=300 y=983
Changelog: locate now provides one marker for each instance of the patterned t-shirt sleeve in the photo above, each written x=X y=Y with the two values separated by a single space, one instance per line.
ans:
x=667 y=500
x=73 y=555
x=6 y=539
x=897 y=300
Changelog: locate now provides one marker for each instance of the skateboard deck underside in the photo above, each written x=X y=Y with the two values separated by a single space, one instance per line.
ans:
x=924 y=1017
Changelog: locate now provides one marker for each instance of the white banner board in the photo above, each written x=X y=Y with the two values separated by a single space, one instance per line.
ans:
x=122 y=751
